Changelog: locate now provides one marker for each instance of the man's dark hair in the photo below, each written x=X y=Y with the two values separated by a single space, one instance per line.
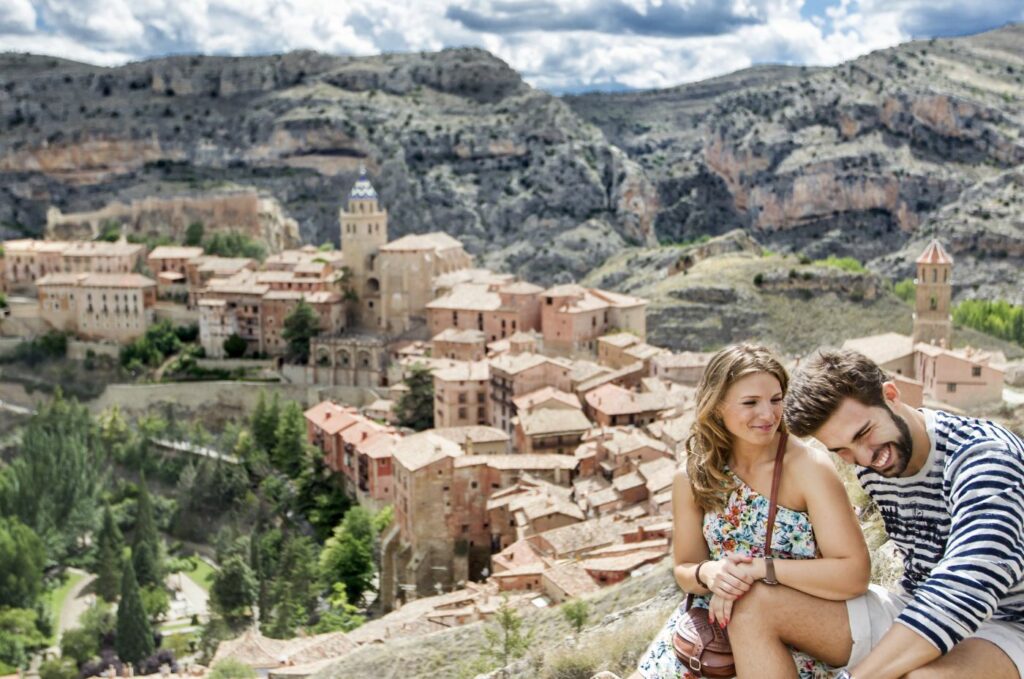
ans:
x=818 y=389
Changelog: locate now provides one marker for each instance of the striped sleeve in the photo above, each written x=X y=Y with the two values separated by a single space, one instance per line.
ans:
x=984 y=556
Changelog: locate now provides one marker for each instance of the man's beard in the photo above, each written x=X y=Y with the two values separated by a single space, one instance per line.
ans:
x=902 y=447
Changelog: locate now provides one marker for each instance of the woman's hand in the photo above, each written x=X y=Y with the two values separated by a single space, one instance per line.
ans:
x=719 y=610
x=730 y=577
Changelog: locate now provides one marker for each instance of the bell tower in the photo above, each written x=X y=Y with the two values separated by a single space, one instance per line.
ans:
x=364 y=229
x=933 y=322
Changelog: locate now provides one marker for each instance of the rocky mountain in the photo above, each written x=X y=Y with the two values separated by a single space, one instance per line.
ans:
x=866 y=159
x=453 y=141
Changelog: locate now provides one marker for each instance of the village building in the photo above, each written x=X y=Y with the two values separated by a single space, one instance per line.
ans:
x=622 y=349
x=546 y=398
x=98 y=306
x=514 y=375
x=497 y=310
x=460 y=345
x=348 y=360
x=359 y=449
x=528 y=507
x=172 y=259
x=216 y=325
x=200 y=271
x=610 y=405
x=389 y=282
x=461 y=395
x=277 y=305
x=924 y=366
x=574 y=317
x=682 y=368
x=27 y=260
x=554 y=430
x=477 y=440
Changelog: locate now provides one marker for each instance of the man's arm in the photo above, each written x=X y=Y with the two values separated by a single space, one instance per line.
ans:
x=984 y=559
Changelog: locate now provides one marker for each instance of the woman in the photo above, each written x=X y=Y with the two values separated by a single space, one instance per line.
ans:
x=720 y=506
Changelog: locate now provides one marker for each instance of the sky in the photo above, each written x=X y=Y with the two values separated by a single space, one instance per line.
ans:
x=568 y=45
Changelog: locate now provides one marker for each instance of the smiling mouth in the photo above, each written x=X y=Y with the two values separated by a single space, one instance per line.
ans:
x=882 y=457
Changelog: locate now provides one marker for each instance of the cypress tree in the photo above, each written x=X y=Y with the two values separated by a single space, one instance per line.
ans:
x=264 y=422
x=146 y=542
x=108 y=558
x=290 y=449
x=134 y=641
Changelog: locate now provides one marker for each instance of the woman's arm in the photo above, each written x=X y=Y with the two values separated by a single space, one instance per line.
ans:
x=688 y=545
x=844 y=569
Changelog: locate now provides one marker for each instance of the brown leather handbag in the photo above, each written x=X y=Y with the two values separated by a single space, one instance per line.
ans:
x=702 y=647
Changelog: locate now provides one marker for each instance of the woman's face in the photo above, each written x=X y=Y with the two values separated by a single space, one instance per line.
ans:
x=752 y=408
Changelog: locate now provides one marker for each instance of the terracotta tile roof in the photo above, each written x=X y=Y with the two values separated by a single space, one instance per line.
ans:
x=658 y=474
x=435 y=240
x=520 y=288
x=571 y=579
x=514 y=364
x=684 y=359
x=213 y=263
x=603 y=497
x=536 y=568
x=614 y=400
x=101 y=249
x=620 y=339
x=422 y=449
x=59 y=279
x=889 y=346
x=468 y=297
x=586 y=370
x=331 y=417
x=361 y=432
x=519 y=461
x=476 y=433
x=170 y=276
x=27 y=245
x=465 y=371
x=256 y=650
x=116 y=280
x=380 y=445
x=175 y=252
x=546 y=506
x=519 y=552
x=543 y=395
x=644 y=351
x=626 y=548
x=624 y=562
x=935 y=254
x=455 y=336
x=206 y=301
x=579 y=537
x=448 y=280
x=549 y=421
x=628 y=481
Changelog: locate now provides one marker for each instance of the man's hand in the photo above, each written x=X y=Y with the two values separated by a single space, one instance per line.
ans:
x=730 y=577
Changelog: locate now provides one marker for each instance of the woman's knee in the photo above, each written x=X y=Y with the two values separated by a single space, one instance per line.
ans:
x=753 y=608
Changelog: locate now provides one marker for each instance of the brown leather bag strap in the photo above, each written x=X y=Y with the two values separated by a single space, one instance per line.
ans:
x=773 y=505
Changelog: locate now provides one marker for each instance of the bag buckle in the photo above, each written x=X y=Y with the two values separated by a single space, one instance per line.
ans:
x=695 y=664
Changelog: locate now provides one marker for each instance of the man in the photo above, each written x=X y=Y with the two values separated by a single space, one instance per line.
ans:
x=951 y=493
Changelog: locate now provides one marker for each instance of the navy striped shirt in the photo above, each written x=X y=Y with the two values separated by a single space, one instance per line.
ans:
x=959 y=523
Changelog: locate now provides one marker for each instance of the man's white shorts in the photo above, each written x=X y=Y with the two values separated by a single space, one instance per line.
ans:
x=872 y=614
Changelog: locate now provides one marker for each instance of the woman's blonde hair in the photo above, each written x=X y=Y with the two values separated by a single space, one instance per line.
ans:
x=709 y=443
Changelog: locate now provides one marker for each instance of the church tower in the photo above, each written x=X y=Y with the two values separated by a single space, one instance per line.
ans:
x=933 y=323
x=364 y=229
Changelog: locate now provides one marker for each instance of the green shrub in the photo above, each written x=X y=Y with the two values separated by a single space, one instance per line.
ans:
x=905 y=290
x=58 y=668
x=81 y=645
x=844 y=263
x=232 y=669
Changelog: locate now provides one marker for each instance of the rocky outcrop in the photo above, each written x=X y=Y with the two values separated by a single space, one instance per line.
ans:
x=247 y=212
x=861 y=160
x=453 y=140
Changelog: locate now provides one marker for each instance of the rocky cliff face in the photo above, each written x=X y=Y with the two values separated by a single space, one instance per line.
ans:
x=866 y=159
x=453 y=141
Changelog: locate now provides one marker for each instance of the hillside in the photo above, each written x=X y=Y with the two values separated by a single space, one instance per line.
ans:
x=867 y=159
x=454 y=141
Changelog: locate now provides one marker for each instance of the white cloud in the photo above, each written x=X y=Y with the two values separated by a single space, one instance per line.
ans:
x=640 y=43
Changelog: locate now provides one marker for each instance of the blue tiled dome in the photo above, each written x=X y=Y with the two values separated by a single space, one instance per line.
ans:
x=362 y=189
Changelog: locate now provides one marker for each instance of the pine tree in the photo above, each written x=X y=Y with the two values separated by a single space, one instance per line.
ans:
x=295 y=590
x=264 y=422
x=134 y=641
x=108 y=557
x=347 y=556
x=509 y=641
x=289 y=454
x=146 y=542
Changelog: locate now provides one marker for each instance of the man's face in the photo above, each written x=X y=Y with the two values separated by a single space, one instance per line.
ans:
x=868 y=436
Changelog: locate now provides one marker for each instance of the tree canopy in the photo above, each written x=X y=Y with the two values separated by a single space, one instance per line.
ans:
x=415 y=409
x=300 y=326
x=22 y=558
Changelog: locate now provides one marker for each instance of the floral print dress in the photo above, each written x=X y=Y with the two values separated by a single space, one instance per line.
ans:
x=740 y=527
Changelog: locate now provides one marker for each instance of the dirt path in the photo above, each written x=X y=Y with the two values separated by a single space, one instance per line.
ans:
x=75 y=604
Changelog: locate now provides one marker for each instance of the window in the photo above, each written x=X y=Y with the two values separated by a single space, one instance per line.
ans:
x=935 y=275
x=462 y=413
x=934 y=304
x=975 y=371
x=472 y=484
x=951 y=387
